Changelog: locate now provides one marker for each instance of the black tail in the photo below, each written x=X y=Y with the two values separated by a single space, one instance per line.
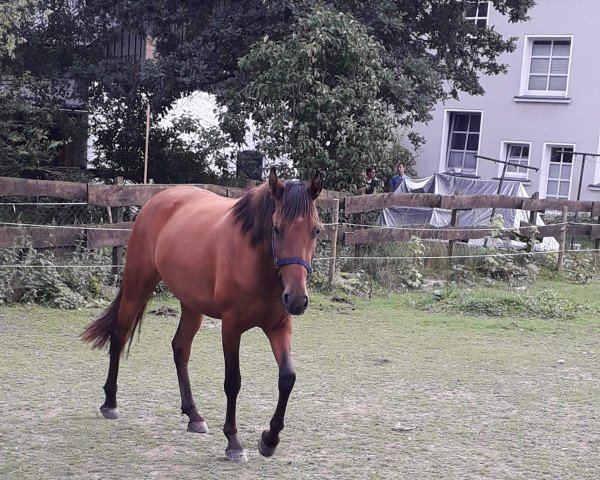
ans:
x=137 y=324
x=98 y=332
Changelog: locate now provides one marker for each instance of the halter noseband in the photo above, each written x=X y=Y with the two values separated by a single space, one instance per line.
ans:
x=280 y=262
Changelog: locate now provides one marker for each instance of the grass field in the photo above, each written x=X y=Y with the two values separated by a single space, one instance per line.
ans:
x=383 y=391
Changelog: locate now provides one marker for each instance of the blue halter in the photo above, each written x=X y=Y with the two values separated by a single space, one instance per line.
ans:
x=280 y=262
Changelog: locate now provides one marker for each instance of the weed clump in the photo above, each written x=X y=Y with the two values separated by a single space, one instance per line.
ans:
x=544 y=304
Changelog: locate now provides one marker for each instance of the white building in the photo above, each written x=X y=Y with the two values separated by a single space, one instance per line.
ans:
x=547 y=106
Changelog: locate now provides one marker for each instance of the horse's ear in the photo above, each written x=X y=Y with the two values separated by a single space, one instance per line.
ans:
x=316 y=185
x=275 y=184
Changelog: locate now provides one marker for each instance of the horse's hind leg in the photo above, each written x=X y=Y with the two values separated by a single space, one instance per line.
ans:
x=189 y=325
x=136 y=293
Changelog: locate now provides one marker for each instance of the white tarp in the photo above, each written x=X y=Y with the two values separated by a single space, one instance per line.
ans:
x=449 y=185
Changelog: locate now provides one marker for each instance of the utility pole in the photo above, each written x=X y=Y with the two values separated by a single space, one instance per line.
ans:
x=147 y=141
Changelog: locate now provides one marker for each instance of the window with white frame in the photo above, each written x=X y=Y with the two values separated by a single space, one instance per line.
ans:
x=517 y=154
x=463 y=142
x=559 y=172
x=477 y=12
x=548 y=65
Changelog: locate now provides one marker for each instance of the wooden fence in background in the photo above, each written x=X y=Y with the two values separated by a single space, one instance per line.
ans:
x=119 y=196
x=456 y=203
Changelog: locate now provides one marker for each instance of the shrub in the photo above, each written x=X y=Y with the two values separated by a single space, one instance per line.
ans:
x=497 y=265
x=33 y=276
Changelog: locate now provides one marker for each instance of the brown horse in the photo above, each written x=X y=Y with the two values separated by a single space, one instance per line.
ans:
x=244 y=261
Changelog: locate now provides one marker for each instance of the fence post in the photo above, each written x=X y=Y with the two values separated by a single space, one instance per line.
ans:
x=117 y=253
x=358 y=248
x=453 y=223
x=597 y=242
x=333 y=238
x=532 y=221
x=563 y=239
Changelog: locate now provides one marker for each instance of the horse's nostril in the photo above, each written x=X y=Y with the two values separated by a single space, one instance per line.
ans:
x=305 y=302
x=286 y=298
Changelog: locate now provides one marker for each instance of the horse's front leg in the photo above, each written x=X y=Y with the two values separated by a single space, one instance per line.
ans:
x=233 y=380
x=280 y=339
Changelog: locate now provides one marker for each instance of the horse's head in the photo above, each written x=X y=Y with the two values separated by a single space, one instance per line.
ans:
x=294 y=236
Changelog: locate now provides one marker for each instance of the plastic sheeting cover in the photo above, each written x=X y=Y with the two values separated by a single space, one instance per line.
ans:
x=449 y=185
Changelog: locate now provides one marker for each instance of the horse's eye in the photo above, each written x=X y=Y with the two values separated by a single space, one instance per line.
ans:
x=276 y=229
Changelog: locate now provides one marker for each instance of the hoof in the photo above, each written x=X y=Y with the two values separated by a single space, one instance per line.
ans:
x=111 y=413
x=237 y=455
x=198 y=427
x=264 y=450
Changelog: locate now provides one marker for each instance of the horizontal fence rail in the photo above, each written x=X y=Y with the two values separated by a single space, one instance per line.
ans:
x=377 y=201
x=138 y=195
x=390 y=235
x=43 y=188
x=96 y=236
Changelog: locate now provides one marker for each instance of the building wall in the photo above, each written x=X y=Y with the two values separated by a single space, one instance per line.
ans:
x=508 y=117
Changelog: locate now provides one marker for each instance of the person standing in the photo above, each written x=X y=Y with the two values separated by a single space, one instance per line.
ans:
x=371 y=181
x=396 y=180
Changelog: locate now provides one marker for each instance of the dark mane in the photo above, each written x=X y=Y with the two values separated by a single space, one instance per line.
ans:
x=254 y=211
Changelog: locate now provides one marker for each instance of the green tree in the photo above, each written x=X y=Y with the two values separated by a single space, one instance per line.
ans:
x=314 y=97
x=424 y=51
x=13 y=15
x=42 y=44
x=25 y=134
x=429 y=51
x=433 y=51
x=179 y=153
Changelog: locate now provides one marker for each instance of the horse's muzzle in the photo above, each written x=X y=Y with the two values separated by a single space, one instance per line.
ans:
x=295 y=304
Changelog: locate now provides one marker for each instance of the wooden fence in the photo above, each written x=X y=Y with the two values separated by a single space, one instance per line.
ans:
x=119 y=196
x=456 y=203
